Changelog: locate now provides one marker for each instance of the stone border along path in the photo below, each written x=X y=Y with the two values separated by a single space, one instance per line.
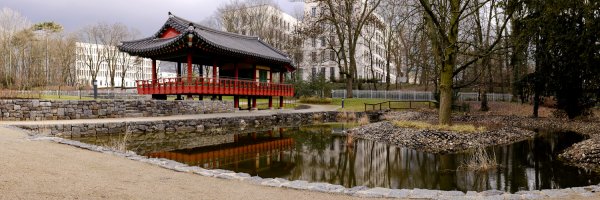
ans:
x=358 y=191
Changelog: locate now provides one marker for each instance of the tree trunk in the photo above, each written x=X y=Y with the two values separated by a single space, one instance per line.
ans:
x=446 y=95
x=447 y=71
x=349 y=80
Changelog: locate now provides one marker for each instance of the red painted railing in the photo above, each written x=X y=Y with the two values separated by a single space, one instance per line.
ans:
x=210 y=86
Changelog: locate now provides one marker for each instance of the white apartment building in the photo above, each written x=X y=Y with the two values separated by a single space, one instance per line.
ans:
x=94 y=55
x=269 y=23
x=320 y=59
x=312 y=56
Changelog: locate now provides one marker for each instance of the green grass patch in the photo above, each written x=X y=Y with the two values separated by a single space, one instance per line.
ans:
x=358 y=104
x=462 y=128
x=355 y=104
x=64 y=97
x=315 y=100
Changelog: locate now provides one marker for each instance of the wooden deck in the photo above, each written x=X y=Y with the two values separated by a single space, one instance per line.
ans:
x=213 y=86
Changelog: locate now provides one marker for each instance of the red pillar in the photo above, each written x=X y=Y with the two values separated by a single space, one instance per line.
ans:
x=214 y=80
x=189 y=72
x=154 y=75
x=236 y=98
x=255 y=86
x=215 y=71
x=236 y=102
x=281 y=97
x=270 y=90
x=154 y=79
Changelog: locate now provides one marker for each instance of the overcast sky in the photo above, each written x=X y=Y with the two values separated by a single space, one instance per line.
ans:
x=145 y=15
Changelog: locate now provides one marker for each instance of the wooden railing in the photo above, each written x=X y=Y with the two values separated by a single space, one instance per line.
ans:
x=397 y=105
x=213 y=86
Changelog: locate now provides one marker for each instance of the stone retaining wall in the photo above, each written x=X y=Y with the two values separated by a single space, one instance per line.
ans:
x=212 y=125
x=35 y=110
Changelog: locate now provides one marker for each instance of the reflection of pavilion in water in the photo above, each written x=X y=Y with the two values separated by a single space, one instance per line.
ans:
x=253 y=153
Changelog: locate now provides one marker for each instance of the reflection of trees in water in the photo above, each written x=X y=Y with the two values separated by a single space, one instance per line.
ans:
x=319 y=156
x=322 y=157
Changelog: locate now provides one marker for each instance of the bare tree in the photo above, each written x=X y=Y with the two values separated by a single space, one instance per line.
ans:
x=110 y=37
x=125 y=62
x=368 y=35
x=11 y=22
x=444 y=18
x=95 y=54
x=346 y=19
x=255 y=18
x=394 y=14
x=64 y=58
x=48 y=28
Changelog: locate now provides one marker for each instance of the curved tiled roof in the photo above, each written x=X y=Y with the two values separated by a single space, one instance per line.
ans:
x=224 y=41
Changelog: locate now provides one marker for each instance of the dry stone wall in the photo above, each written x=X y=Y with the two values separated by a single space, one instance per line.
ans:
x=210 y=125
x=36 y=110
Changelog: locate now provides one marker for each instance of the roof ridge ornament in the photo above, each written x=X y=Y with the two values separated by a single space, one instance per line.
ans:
x=170 y=15
x=191 y=27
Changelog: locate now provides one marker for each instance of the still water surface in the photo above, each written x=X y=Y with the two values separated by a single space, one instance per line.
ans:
x=318 y=153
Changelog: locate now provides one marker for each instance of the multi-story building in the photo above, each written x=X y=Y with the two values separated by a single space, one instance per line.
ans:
x=94 y=56
x=268 y=22
x=321 y=58
x=313 y=56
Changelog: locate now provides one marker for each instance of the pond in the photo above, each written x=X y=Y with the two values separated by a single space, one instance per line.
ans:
x=319 y=153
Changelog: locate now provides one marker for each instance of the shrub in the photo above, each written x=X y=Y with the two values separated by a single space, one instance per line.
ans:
x=480 y=160
x=363 y=120
x=344 y=116
x=119 y=144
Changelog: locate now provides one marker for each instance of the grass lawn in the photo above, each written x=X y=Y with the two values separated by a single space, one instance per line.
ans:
x=358 y=104
x=64 y=97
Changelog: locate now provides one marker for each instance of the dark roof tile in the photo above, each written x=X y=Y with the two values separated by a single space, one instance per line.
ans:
x=236 y=43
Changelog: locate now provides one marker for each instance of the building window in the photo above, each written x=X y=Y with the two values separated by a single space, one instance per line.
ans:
x=332 y=55
x=314 y=72
x=313 y=56
x=314 y=42
x=332 y=40
x=323 y=56
x=323 y=43
x=332 y=73
x=322 y=74
x=313 y=12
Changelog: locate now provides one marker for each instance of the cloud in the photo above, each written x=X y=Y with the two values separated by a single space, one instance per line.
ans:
x=144 y=15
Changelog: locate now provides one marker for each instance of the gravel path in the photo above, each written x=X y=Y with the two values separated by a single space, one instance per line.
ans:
x=47 y=170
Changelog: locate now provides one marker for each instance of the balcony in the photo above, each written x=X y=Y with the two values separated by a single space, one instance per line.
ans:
x=212 y=86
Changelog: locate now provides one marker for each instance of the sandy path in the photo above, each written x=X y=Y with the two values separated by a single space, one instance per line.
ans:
x=46 y=170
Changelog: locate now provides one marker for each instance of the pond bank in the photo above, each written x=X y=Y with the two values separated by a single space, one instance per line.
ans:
x=508 y=129
x=434 y=141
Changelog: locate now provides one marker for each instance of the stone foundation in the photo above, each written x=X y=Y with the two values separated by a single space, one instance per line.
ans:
x=36 y=110
x=211 y=125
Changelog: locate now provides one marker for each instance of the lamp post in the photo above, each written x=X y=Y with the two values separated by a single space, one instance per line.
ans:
x=95 y=83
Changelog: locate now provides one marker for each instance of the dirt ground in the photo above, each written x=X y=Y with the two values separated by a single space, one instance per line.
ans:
x=47 y=170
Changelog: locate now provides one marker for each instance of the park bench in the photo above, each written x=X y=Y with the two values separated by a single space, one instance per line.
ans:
x=397 y=104
x=390 y=105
